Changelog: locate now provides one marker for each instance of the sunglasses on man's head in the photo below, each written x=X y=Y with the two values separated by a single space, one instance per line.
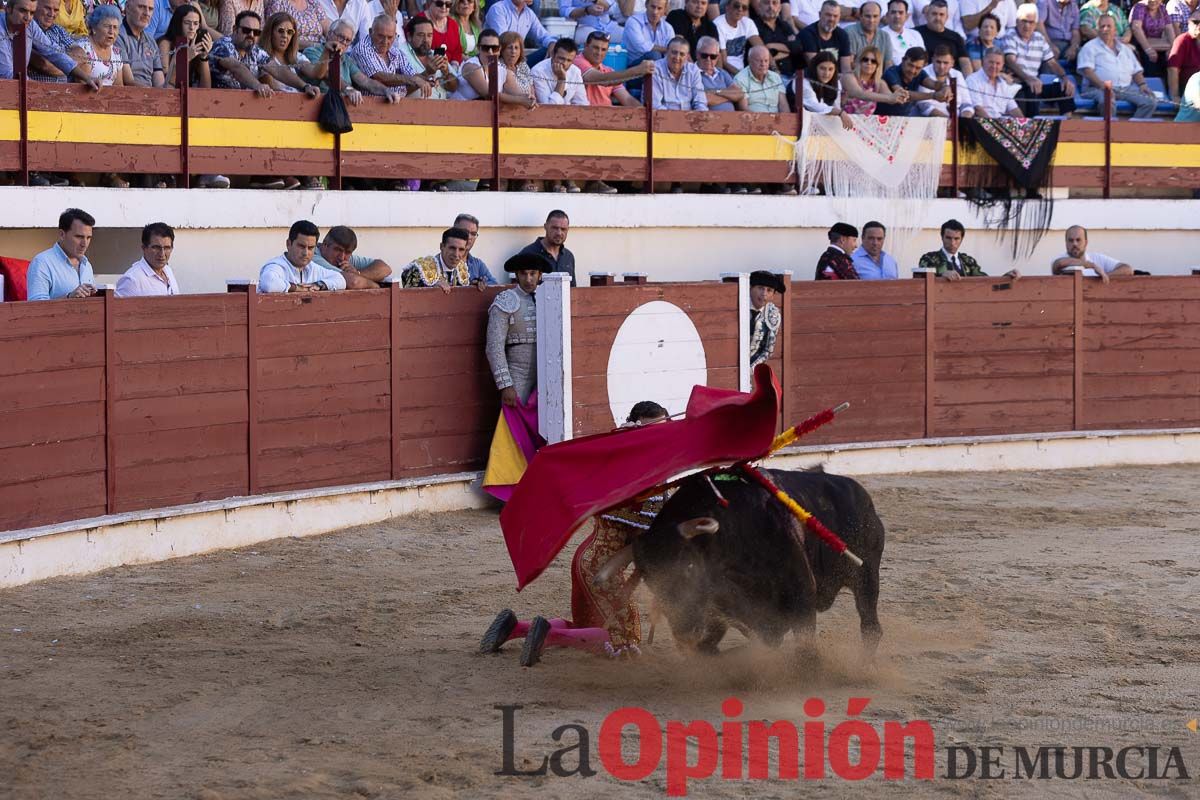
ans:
x=594 y=35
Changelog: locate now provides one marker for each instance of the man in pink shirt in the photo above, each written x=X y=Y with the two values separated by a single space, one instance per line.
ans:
x=604 y=85
x=150 y=275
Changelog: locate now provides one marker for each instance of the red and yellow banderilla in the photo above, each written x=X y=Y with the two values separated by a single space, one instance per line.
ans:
x=807 y=426
x=781 y=441
x=815 y=525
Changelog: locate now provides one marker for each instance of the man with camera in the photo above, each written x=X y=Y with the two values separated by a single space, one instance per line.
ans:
x=429 y=64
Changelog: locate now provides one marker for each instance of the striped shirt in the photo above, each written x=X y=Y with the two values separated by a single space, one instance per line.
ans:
x=371 y=63
x=1030 y=55
x=62 y=40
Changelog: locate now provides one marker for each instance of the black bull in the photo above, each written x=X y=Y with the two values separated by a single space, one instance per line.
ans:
x=757 y=569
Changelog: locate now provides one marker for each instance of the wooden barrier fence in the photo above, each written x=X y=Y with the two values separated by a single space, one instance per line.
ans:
x=111 y=405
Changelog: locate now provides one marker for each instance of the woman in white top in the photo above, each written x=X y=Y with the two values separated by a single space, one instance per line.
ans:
x=100 y=48
x=821 y=92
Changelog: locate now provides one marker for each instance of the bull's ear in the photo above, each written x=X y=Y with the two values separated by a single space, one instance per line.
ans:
x=700 y=526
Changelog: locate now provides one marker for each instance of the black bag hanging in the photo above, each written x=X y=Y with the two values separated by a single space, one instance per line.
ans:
x=333 y=117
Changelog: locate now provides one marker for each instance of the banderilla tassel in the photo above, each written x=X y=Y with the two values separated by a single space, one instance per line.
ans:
x=806 y=427
x=720 y=497
x=815 y=525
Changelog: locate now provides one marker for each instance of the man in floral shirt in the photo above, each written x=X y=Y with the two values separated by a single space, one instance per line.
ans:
x=236 y=61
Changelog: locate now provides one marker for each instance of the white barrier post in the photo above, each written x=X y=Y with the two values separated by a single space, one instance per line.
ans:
x=555 y=420
x=743 y=282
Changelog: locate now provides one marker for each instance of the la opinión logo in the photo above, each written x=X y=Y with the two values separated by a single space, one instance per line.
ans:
x=693 y=750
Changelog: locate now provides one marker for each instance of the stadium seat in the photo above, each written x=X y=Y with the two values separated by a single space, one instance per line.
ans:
x=1081 y=104
x=14 y=271
x=1165 y=106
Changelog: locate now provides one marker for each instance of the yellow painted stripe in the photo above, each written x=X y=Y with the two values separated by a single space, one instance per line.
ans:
x=10 y=126
x=64 y=126
x=387 y=138
x=1068 y=154
x=1154 y=155
x=725 y=147
x=266 y=133
x=572 y=142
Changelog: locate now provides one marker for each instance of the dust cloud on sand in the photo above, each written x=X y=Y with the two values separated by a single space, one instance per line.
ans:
x=1018 y=609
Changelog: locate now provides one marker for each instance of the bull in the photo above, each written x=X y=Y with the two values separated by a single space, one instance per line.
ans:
x=747 y=563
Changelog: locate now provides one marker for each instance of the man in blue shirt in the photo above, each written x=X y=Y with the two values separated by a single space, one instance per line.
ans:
x=19 y=14
x=481 y=276
x=648 y=35
x=63 y=270
x=910 y=75
x=869 y=259
x=516 y=16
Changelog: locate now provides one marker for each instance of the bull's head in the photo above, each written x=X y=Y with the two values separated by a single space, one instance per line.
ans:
x=673 y=558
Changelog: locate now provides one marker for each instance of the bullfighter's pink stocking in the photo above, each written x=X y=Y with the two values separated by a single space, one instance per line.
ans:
x=563 y=635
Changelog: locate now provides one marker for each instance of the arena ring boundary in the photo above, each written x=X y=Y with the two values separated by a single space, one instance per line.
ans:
x=90 y=545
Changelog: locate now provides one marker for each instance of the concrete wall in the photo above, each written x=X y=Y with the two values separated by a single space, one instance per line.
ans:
x=230 y=233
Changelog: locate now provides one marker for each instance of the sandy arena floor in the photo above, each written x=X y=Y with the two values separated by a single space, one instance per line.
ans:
x=1018 y=609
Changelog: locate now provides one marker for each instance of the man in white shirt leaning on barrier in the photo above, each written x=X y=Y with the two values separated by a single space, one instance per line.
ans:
x=1077 y=255
x=294 y=270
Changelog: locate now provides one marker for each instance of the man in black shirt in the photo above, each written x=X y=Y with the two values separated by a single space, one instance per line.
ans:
x=692 y=22
x=777 y=35
x=935 y=32
x=552 y=247
x=909 y=73
x=826 y=35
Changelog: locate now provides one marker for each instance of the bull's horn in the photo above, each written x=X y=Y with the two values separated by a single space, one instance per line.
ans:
x=700 y=526
x=614 y=566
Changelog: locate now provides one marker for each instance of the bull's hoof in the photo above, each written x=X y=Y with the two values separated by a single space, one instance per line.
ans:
x=498 y=632
x=535 y=642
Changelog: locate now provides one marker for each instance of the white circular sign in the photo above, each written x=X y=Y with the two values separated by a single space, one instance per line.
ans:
x=658 y=355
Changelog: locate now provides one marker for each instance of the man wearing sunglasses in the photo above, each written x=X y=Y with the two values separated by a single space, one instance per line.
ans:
x=236 y=61
x=719 y=89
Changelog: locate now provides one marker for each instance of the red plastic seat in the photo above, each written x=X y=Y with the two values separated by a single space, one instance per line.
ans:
x=15 y=285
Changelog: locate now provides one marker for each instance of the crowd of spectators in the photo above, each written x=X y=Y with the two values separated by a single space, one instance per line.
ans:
x=307 y=264
x=846 y=259
x=312 y=264
x=894 y=59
